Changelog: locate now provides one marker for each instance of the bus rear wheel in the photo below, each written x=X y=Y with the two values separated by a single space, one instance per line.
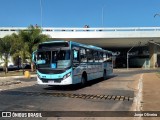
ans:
x=104 y=75
x=83 y=80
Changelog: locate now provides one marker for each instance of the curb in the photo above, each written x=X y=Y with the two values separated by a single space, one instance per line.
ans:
x=17 y=76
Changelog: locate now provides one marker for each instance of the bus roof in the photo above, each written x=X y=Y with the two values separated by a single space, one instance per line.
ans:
x=78 y=44
x=53 y=41
x=86 y=46
x=90 y=47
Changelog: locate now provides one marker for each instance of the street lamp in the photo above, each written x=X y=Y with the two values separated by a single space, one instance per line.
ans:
x=151 y=41
x=128 y=53
x=156 y=15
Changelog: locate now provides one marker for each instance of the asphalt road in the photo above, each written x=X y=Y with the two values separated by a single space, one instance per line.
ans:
x=113 y=94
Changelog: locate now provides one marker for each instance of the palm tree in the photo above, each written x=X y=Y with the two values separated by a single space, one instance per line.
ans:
x=19 y=48
x=31 y=38
x=5 y=51
x=21 y=45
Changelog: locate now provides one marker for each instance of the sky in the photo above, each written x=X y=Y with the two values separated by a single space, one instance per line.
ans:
x=77 y=13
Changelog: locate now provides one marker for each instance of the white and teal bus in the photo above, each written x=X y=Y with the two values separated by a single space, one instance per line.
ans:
x=67 y=62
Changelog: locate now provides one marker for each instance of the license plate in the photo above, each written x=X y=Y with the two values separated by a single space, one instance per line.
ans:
x=50 y=81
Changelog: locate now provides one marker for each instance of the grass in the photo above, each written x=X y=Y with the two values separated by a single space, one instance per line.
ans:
x=14 y=73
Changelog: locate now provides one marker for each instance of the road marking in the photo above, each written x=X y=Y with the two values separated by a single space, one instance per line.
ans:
x=138 y=97
x=72 y=95
x=122 y=98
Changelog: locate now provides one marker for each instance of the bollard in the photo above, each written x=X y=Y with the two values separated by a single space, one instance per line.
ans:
x=27 y=74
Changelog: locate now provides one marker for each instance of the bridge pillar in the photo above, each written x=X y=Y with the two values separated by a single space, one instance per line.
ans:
x=153 y=55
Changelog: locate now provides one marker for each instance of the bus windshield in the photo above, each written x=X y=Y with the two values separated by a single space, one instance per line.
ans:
x=57 y=59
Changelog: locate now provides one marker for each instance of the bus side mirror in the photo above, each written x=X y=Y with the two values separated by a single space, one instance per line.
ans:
x=34 y=56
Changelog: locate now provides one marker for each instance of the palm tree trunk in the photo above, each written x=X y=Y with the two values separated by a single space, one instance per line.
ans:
x=6 y=70
x=6 y=64
x=32 y=67
x=31 y=63
x=23 y=60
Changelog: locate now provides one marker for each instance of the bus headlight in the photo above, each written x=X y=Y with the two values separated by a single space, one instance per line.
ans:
x=67 y=75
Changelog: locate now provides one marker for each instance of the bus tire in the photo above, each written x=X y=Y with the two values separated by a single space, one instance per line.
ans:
x=84 y=79
x=104 y=75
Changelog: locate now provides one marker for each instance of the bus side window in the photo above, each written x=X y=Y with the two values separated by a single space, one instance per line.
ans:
x=96 y=57
x=104 y=57
x=90 y=55
x=83 y=55
x=109 y=57
x=100 y=57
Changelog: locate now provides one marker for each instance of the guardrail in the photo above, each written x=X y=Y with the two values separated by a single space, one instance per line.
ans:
x=51 y=29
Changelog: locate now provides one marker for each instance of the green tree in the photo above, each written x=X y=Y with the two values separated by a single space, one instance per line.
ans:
x=5 y=51
x=31 y=38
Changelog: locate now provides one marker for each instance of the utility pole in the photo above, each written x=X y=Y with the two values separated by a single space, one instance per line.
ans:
x=102 y=15
x=41 y=13
x=102 y=12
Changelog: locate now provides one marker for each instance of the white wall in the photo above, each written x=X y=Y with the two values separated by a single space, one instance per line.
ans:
x=9 y=63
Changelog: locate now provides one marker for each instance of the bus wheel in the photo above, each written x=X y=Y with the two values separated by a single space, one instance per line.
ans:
x=104 y=75
x=83 y=80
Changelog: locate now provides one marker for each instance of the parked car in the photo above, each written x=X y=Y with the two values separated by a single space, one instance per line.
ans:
x=12 y=67
x=26 y=66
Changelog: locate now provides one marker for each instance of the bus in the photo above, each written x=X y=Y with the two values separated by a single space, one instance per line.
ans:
x=68 y=62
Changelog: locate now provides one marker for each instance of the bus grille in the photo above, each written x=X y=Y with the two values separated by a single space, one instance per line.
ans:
x=55 y=80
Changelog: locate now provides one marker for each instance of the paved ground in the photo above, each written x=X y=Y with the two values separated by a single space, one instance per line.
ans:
x=136 y=85
x=7 y=83
x=151 y=92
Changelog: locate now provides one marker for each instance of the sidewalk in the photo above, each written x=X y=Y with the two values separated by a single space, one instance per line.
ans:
x=151 y=92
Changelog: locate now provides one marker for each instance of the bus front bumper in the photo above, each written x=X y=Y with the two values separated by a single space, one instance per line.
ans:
x=66 y=81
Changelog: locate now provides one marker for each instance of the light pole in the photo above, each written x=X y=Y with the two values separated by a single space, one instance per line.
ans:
x=156 y=15
x=103 y=16
x=128 y=56
x=41 y=13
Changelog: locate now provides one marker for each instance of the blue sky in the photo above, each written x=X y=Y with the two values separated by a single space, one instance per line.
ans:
x=77 y=13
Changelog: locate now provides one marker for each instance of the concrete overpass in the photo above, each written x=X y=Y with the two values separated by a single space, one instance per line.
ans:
x=104 y=37
x=124 y=37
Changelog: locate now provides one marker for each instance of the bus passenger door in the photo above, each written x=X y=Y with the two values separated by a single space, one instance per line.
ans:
x=76 y=66
x=75 y=58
